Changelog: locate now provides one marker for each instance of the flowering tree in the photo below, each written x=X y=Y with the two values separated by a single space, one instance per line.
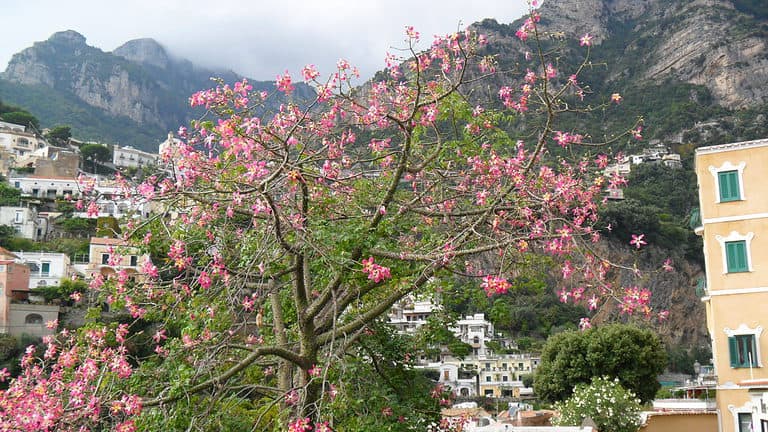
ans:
x=610 y=406
x=279 y=238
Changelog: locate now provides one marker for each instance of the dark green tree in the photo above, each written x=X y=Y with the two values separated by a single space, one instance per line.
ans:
x=96 y=153
x=9 y=196
x=633 y=355
x=59 y=135
x=21 y=118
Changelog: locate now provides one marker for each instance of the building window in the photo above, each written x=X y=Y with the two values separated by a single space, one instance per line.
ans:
x=736 y=256
x=105 y=258
x=743 y=351
x=735 y=249
x=19 y=217
x=488 y=378
x=728 y=185
x=745 y=422
x=505 y=378
x=729 y=180
x=134 y=260
x=744 y=347
x=33 y=319
x=45 y=268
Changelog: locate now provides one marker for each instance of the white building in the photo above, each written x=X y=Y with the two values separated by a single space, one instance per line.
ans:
x=46 y=268
x=24 y=220
x=410 y=314
x=12 y=127
x=475 y=331
x=46 y=187
x=129 y=157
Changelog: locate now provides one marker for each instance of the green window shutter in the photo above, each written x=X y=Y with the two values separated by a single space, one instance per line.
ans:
x=728 y=183
x=733 y=350
x=736 y=256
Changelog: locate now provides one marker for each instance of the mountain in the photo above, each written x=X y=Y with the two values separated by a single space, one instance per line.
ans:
x=695 y=68
x=131 y=96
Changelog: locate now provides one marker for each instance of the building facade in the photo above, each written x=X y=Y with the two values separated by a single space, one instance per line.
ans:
x=109 y=256
x=734 y=226
x=46 y=268
x=129 y=157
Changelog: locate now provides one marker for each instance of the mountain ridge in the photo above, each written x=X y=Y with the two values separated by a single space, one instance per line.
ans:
x=137 y=91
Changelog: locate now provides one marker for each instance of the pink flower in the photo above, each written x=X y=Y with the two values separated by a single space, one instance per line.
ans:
x=315 y=371
x=667 y=266
x=585 y=324
x=284 y=83
x=637 y=241
x=592 y=303
x=616 y=98
x=586 y=40
x=310 y=72
x=204 y=280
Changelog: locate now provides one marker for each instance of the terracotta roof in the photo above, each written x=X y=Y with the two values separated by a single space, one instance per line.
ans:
x=458 y=412
x=760 y=382
x=108 y=241
x=6 y=253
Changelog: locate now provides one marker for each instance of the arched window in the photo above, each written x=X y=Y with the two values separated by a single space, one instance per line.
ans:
x=33 y=319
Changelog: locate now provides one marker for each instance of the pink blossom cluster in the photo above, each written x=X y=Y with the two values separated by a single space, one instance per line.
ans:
x=375 y=272
x=495 y=285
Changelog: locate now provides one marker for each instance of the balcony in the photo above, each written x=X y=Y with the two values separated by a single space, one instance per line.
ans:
x=695 y=222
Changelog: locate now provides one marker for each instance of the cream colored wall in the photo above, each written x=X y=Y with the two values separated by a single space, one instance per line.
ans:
x=755 y=179
x=713 y=250
x=748 y=306
x=730 y=398
x=732 y=311
x=705 y=422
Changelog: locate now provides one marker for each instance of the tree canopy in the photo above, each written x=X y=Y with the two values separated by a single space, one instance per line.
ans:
x=59 y=135
x=633 y=355
x=281 y=238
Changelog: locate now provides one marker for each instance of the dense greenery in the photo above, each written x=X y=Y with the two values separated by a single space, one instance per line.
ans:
x=89 y=123
x=633 y=355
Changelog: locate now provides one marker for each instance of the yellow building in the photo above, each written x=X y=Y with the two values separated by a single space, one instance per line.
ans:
x=733 y=194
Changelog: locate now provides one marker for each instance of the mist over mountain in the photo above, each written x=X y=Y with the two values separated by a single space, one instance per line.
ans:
x=133 y=95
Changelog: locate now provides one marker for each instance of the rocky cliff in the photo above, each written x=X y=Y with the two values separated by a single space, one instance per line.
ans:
x=133 y=95
x=720 y=44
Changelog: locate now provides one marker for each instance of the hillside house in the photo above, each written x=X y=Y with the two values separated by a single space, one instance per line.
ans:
x=17 y=315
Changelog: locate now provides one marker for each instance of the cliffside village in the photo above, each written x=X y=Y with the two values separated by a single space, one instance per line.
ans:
x=47 y=175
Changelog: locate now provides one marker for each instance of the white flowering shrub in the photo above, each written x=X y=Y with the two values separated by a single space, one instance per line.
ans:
x=610 y=406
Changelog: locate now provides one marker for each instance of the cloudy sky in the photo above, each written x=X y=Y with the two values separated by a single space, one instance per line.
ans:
x=255 y=38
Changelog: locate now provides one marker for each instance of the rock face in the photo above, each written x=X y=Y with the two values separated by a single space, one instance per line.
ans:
x=111 y=83
x=144 y=51
x=720 y=44
x=138 y=87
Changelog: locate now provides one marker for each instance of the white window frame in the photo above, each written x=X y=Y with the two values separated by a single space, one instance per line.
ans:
x=735 y=236
x=744 y=409
x=728 y=166
x=744 y=330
